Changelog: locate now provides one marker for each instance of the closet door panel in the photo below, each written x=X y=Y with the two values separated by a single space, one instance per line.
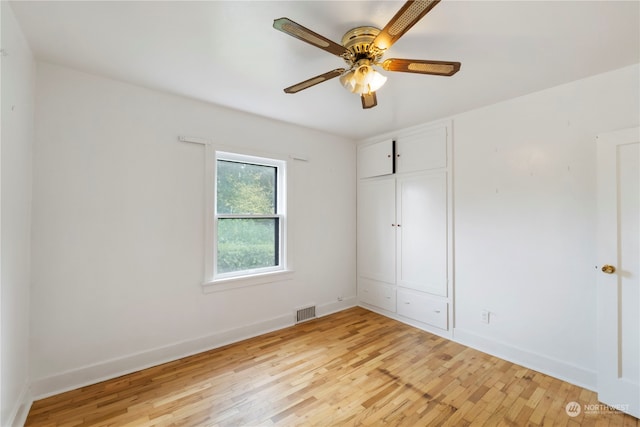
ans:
x=377 y=230
x=422 y=233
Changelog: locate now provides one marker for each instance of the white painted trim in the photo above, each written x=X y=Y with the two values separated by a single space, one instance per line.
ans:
x=556 y=368
x=336 y=306
x=92 y=374
x=448 y=125
x=219 y=285
x=116 y=367
x=209 y=209
x=299 y=157
x=194 y=140
x=451 y=225
x=19 y=412
x=621 y=136
x=547 y=365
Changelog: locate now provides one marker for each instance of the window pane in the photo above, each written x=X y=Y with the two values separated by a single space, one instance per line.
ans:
x=245 y=188
x=247 y=243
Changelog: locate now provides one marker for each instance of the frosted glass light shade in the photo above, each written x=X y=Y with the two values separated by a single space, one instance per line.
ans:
x=362 y=79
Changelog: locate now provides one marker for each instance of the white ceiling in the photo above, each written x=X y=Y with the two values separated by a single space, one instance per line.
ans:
x=227 y=53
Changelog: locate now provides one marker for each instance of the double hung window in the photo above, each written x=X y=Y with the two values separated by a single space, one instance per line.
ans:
x=249 y=222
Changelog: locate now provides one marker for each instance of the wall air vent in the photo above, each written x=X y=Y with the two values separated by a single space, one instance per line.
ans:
x=306 y=313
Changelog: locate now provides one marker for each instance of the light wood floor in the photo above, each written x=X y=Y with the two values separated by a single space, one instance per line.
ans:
x=351 y=368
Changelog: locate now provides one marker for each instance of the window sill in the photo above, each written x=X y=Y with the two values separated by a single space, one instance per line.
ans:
x=242 y=282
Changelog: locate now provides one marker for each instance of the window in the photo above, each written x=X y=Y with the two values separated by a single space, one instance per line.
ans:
x=249 y=216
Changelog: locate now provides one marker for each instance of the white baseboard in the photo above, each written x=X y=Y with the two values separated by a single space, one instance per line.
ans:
x=19 y=413
x=124 y=365
x=547 y=365
x=91 y=374
x=113 y=368
x=336 y=306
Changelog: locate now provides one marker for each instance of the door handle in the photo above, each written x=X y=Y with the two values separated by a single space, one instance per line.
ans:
x=608 y=269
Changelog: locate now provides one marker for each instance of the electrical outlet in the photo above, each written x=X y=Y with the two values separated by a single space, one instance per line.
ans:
x=485 y=316
x=340 y=298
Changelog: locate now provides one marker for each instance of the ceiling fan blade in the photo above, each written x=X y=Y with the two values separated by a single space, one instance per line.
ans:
x=306 y=35
x=407 y=16
x=369 y=100
x=315 y=80
x=438 y=68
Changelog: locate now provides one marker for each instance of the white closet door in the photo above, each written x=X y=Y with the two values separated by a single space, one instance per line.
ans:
x=422 y=233
x=377 y=230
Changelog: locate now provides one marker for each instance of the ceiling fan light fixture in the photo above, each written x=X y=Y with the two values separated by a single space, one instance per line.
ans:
x=362 y=79
x=362 y=49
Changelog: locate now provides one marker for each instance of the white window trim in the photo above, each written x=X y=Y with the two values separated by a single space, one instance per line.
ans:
x=220 y=285
x=213 y=283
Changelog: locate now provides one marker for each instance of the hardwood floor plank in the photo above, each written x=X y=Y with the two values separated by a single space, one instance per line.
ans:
x=352 y=368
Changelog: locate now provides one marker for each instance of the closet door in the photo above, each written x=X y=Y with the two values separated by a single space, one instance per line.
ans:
x=422 y=232
x=377 y=230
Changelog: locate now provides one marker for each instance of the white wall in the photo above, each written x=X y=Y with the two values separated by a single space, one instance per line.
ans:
x=118 y=228
x=524 y=206
x=18 y=78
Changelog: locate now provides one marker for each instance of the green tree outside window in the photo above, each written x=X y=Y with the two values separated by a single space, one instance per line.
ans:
x=248 y=227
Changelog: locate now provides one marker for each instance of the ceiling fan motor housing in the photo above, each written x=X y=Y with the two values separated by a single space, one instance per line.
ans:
x=359 y=42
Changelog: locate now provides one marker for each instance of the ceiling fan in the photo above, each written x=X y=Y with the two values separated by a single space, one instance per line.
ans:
x=363 y=47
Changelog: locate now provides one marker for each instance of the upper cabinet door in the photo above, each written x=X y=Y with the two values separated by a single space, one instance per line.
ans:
x=375 y=159
x=423 y=151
